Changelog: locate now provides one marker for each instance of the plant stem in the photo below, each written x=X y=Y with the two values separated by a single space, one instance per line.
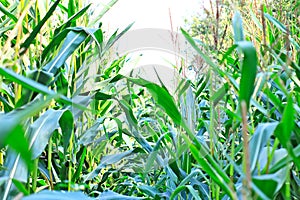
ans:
x=246 y=160
x=70 y=162
x=49 y=166
x=287 y=184
x=1 y=157
x=34 y=175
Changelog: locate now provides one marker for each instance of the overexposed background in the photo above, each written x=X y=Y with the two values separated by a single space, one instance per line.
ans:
x=149 y=13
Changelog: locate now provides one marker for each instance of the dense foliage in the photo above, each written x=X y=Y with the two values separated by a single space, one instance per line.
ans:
x=232 y=133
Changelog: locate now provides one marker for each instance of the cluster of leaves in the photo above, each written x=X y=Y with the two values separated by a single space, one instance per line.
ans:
x=47 y=53
x=119 y=137
x=272 y=122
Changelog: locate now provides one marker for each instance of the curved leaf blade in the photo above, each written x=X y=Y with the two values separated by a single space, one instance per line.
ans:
x=259 y=140
x=31 y=84
x=237 y=24
x=37 y=29
x=71 y=43
x=249 y=69
x=41 y=130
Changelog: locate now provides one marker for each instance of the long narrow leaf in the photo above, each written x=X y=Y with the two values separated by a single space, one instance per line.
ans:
x=37 y=29
x=71 y=43
x=71 y=19
x=41 y=130
x=107 y=160
x=259 y=140
x=9 y=121
x=237 y=24
x=30 y=84
x=249 y=69
x=7 y=13
x=162 y=97
x=224 y=184
x=202 y=54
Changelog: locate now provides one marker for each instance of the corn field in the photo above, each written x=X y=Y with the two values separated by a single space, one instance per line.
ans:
x=233 y=132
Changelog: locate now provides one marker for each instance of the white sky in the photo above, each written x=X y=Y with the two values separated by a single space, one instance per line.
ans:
x=149 y=13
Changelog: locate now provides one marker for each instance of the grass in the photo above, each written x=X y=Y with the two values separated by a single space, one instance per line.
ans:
x=233 y=133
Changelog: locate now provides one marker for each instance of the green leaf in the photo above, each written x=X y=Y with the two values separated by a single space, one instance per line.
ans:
x=184 y=187
x=11 y=128
x=269 y=184
x=80 y=165
x=71 y=8
x=284 y=129
x=98 y=36
x=259 y=140
x=71 y=43
x=7 y=13
x=66 y=123
x=107 y=160
x=40 y=76
x=249 y=64
x=129 y=113
x=228 y=52
x=39 y=133
x=19 y=143
x=190 y=177
x=273 y=98
x=72 y=19
x=153 y=155
x=42 y=129
x=219 y=94
x=36 y=75
x=33 y=85
x=103 y=96
x=279 y=25
x=37 y=29
x=54 y=43
x=206 y=58
x=162 y=97
x=215 y=172
x=15 y=169
x=237 y=24
x=21 y=187
x=115 y=37
x=73 y=40
x=55 y=195
x=79 y=100
x=110 y=195
x=88 y=137
x=279 y=176
x=285 y=160
x=149 y=190
x=266 y=184
x=6 y=104
x=10 y=121
x=249 y=69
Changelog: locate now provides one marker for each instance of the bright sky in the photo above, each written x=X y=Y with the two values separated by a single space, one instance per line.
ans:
x=149 y=13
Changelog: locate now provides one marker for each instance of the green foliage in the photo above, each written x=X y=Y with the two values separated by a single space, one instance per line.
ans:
x=266 y=78
x=71 y=123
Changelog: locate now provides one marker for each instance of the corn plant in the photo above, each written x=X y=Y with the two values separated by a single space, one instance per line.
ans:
x=73 y=127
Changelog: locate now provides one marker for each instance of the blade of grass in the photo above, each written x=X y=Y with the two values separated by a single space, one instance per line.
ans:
x=37 y=29
x=37 y=87
x=249 y=69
